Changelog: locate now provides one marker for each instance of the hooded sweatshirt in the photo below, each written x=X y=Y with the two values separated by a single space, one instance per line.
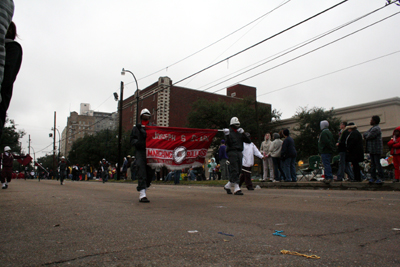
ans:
x=325 y=141
x=394 y=144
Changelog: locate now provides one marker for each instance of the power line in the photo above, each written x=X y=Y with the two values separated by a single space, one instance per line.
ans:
x=215 y=41
x=287 y=51
x=329 y=73
x=311 y=51
x=254 y=45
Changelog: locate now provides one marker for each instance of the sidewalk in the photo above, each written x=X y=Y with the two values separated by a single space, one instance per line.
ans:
x=386 y=186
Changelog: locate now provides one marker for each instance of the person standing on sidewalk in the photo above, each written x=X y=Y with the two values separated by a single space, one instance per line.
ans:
x=275 y=153
x=223 y=160
x=326 y=148
x=354 y=149
x=344 y=165
x=235 y=138
x=138 y=140
x=374 y=146
x=288 y=156
x=394 y=145
x=267 y=160
x=249 y=151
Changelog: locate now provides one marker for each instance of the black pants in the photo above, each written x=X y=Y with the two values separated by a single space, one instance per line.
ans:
x=63 y=174
x=356 y=171
x=235 y=165
x=245 y=177
x=144 y=173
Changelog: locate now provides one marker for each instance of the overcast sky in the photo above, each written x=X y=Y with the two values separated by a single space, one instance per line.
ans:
x=74 y=51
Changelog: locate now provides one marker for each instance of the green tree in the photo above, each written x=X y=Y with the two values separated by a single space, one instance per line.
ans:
x=308 y=129
x=217 y=115
x=11 y=137
x=47 y=161
x=90 y=149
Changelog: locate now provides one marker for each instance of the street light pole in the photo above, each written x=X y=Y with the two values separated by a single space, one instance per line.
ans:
x=54 y=144
x=120 y=132
x=120 y=118
x=137 y=93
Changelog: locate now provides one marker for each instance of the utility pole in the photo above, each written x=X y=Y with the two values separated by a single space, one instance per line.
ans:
x=29 y=147
x=54 y=145
x=120 y=132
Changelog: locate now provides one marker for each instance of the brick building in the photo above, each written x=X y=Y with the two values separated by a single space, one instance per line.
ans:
x=170 y=105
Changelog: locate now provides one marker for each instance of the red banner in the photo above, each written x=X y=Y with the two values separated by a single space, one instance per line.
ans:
x=177 y=148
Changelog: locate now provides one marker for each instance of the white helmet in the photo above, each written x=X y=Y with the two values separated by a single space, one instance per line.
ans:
x=145 y=111
x=7 y=148
x=235 y=120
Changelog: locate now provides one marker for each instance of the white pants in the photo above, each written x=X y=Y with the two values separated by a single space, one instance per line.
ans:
x=267 y=163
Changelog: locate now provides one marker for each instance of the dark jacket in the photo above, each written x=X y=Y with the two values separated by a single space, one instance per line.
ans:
x=222 y=152
x=234 y=141
x=325 y=142
x=62 y=165
x=138 y=137
x=342 y=140
x=288 y=148
x=354 y=147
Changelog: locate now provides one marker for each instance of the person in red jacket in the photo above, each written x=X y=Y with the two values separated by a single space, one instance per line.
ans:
x=394 y=145
x=7 y=159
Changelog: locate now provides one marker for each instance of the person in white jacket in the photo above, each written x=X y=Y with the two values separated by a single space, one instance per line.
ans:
x=249 y=151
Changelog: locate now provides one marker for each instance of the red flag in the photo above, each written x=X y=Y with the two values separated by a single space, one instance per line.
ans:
x=177 y=148
x=27 y=160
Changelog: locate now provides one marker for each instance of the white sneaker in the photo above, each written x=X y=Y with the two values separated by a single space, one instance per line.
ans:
x=228 y=185
x=236 y=187
x=142 y=193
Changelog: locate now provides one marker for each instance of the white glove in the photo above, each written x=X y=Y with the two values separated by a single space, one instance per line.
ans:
x=227 y=162
x=226 y=131
x=240 y=130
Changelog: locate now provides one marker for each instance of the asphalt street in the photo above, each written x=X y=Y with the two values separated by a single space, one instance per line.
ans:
x=96 y=224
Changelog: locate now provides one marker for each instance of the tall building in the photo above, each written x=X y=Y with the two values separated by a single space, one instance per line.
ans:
x=87 y=122
x=170 y=105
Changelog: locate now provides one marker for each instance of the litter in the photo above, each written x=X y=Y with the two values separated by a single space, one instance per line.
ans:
x=299 y=254
x=56 y=225
x=278 y=233
x=258 y=187
x=193 y=231
x=221 y=233
x=396 y=229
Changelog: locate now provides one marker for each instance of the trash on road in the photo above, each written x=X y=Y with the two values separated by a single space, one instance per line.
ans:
x=193 y=231
x=278 y=233
x=396 y=229
x=299 y=254
x=221 y=233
